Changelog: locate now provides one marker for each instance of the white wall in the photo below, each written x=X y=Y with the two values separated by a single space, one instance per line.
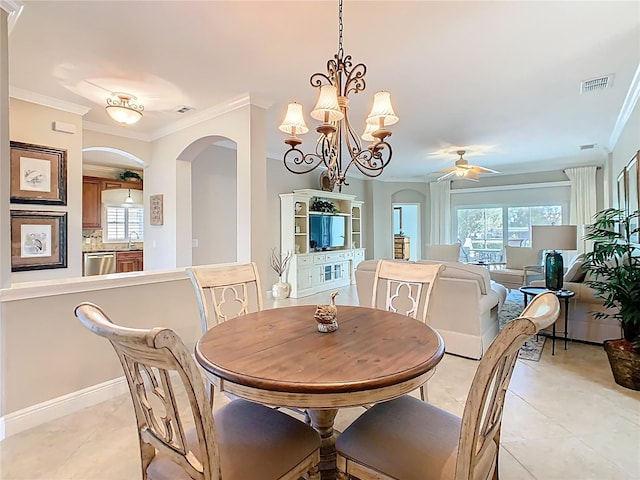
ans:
x=213 y=206
x=626 y=147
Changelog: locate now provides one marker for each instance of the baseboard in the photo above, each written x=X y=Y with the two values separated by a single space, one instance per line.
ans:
x=35 y=415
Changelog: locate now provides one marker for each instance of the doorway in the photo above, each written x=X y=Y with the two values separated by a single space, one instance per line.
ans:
x=406 y=222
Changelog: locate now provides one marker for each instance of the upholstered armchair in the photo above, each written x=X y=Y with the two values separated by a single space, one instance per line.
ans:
x=522 y=266
x=444 y=253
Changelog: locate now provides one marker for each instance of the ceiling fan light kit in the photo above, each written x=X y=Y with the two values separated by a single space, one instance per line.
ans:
x=463 y=170
x=121 y=108
x=335 y=131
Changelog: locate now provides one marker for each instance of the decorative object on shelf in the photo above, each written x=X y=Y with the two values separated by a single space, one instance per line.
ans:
x=613 y=271
x=327 y=315
x=279 y=263
x=298 y=207
x=38 y=240
x=324 y=206
x=128 y=175
x=553 y=238
x=336 y=131
x=327 y=184
x=156 y=213
x=463 y=170
x=38 y=174
x=121 y=108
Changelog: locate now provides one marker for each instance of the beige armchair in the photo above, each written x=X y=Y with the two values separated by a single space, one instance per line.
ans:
x=522 y=266
x=445 y=253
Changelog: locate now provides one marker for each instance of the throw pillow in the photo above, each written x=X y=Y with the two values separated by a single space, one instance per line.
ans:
x=445 y=253
x=575 y=272
x=519 y=257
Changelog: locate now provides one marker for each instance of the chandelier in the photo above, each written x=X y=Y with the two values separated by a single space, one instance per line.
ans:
x=120 y=108
x=338 y=146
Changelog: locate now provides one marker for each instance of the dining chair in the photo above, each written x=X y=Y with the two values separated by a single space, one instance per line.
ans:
x=409 y=439
x=225 y=292
x=239 y=441
x=405 y=288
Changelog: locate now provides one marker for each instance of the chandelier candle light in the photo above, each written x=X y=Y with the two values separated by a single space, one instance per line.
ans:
x=337 y=136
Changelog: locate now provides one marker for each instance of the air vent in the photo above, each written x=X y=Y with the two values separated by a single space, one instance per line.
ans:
x=183 y=109
x=588 y=146
x=595 y=84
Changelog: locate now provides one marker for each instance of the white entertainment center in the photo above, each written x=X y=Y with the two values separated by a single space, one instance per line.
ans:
x=318 y=268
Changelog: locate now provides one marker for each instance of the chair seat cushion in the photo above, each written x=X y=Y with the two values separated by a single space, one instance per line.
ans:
x=408 y=439
x=254 y=441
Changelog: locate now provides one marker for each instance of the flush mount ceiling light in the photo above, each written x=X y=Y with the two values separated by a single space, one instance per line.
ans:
x=463 y=170
x=122 y=110
x=336 y=132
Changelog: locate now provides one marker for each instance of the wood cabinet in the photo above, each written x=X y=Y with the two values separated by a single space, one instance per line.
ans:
x=92 y=188
x=91 y=202
x=129 y=261
x=401 y=247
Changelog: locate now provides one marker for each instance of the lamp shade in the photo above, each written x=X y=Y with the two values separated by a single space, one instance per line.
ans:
x=554 y=237
x=368 y=132
x=382 y=113
x=294 y=120
x=122 y=110
x=327 y=108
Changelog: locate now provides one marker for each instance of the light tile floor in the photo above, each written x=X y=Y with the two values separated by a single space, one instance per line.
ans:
x=564 y=419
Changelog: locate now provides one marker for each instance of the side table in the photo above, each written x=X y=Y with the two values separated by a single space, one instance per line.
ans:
x=561 y=294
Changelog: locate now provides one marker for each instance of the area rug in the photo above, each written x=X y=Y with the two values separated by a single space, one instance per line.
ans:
x=512 y=308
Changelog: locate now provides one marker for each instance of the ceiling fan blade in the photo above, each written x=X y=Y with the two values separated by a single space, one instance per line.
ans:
x=479 y=169
x=471 y=175
x=447 y=170
x=447 y=176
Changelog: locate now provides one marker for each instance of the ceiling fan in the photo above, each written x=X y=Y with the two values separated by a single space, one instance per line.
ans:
x=463 y=170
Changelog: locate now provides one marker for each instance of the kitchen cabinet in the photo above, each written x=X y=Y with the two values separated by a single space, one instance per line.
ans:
x=91 y=202
x=129 y=261
x=92 y=188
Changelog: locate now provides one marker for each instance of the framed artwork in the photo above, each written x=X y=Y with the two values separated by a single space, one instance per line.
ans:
x=38 y=174
x=38 y=240
x=621 y=185
x=156 y=216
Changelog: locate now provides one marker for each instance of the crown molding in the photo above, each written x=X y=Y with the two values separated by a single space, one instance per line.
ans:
x=117 y=130
x=625 y=112
x=230 y=105
x=14 y=10
x=28 y=96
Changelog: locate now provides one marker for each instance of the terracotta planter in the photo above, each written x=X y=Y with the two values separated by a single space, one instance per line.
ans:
x=625 y=363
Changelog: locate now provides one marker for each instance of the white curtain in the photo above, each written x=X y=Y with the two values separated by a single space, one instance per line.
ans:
x=583 y=201
x=440 y=207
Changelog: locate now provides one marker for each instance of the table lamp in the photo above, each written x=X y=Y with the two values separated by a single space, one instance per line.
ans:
x=553 y=238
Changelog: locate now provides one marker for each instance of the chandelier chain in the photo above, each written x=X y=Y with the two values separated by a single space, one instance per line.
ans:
x=340 y=27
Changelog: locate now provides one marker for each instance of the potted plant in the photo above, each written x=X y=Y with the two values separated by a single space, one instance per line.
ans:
x=613 y=271
x=279 y=264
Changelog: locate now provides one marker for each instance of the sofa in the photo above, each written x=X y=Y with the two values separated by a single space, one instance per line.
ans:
x=582 y=324
x=463 y=308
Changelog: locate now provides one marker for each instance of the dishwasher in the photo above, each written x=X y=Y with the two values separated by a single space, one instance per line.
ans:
x=99 y=263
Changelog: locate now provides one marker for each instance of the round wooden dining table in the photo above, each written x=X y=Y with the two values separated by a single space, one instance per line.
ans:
x=278 y=357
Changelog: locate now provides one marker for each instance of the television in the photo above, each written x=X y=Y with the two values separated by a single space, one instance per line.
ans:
x=327 y=231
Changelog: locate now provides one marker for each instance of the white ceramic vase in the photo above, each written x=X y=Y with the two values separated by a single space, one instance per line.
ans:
x=280 y=290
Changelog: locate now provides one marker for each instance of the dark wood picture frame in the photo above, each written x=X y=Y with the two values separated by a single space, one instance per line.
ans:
x=38 y=240
x=38 y=174
x=633 y=192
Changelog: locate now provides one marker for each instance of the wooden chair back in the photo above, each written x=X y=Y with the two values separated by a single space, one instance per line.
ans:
x=482 y=417
x=404 y=287
x=158 y=368
x=225 y=292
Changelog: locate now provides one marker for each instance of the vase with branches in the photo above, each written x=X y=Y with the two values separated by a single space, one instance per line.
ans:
x=279 y=264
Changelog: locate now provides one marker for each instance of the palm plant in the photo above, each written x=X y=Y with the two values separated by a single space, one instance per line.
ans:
x=613 y=268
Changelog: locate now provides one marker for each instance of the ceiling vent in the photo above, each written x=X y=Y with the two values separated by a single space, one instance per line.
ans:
x=595 y=84
x=589 y=146
x=183 y=109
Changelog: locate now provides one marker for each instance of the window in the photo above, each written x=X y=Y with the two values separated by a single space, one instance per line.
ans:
x=484 y=231
x=123 y=223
